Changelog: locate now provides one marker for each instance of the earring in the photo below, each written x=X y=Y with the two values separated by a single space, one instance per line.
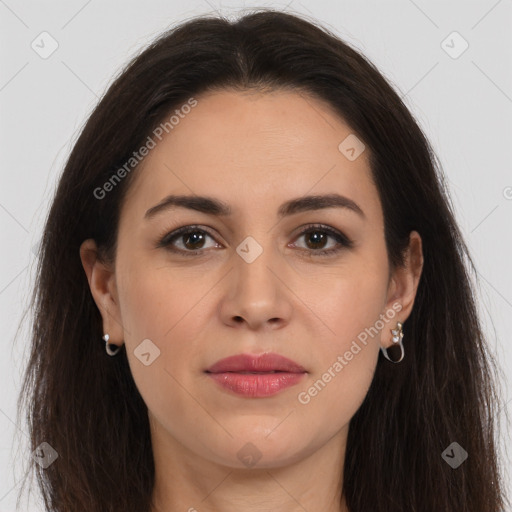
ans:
x=397 y=342
x=108 y=347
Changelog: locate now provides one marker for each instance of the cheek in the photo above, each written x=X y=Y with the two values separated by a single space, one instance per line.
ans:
x=167 y=307
x=349 y=303
x=337 y=391
x=344 y=371
x=157 y=301
x=347 y=357
x=156 y=306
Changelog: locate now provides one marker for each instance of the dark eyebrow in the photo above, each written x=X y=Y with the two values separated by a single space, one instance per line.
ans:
x=218 y=208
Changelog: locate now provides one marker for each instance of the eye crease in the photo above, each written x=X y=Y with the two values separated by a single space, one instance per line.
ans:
x=199 y=233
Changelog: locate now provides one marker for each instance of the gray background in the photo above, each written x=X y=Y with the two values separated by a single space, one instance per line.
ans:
x=464 y=104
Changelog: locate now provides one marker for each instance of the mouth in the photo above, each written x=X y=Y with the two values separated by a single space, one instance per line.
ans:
x=256 y=376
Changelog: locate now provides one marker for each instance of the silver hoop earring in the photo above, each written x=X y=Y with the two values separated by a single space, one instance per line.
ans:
x=396 y=355
x=108 y=347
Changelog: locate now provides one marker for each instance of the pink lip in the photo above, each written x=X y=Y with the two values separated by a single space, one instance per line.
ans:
x=251 y=375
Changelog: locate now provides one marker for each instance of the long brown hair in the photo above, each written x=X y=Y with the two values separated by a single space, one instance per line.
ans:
x=86 y=405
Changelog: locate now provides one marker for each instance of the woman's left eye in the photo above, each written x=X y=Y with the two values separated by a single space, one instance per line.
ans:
x=192 y=240
x=318 y=235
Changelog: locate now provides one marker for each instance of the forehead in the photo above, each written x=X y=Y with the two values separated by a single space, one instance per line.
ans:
x=250 y=149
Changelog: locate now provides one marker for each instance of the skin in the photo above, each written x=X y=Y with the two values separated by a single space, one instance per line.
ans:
x=254 y=151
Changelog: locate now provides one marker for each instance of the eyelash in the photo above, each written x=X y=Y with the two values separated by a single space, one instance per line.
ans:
x=343 y=241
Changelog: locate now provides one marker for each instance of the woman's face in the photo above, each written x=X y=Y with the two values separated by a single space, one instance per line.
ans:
x=248 y=282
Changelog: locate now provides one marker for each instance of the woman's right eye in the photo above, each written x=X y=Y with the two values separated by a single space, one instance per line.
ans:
x=191 y=239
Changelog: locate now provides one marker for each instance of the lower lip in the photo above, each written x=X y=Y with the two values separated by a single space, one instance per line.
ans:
x=256 y=385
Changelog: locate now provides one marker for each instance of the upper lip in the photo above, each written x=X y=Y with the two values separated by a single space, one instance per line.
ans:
x=267 y=362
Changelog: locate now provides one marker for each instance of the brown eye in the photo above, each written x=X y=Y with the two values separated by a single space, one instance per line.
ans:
x=317 y=237
x=193 y=240
x=189 y=240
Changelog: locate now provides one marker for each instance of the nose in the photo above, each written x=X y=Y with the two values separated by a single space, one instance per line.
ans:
x=257 y=294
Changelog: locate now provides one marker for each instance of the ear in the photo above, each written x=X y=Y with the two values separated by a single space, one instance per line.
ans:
x=404 y=284
x=102 y=283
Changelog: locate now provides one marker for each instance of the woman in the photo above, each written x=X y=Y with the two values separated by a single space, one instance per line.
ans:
x=252 y=293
